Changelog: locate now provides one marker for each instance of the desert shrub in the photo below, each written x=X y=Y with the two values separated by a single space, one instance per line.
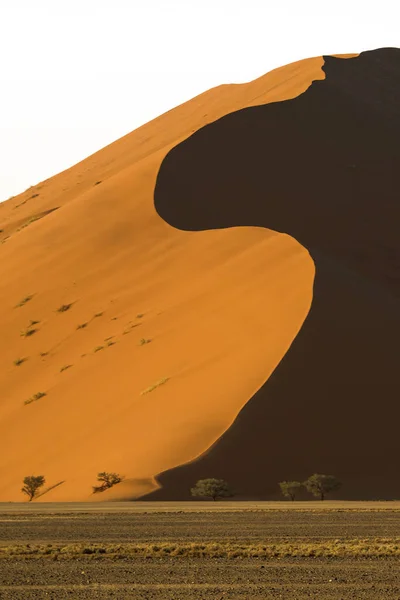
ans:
x=19 y=361
x=82 y=326
x=32 y=484
x=64 y=308
x=28 y=332
x=24 y=301
x=35 y=397
x=290 y=489
x=107 y=481
x=154 y=386
x=212 y=488
x=320 y=485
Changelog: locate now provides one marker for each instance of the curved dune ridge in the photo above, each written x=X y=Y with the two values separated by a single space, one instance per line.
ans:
x=150 y=340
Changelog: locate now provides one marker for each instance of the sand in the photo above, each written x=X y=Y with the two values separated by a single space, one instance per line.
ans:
x=169 y=333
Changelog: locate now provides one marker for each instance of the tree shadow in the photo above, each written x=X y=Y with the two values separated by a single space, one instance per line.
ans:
x=325 y=169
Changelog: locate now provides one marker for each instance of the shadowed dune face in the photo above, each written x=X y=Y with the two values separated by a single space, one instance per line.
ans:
x=323 y=168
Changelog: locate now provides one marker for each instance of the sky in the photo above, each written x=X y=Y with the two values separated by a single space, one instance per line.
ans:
x=75 y=75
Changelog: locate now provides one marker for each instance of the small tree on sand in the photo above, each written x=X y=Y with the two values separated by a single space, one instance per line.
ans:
x=32 y=485
x=290 y=488
x=320 y=485
x=107 y=481
x=211 y=488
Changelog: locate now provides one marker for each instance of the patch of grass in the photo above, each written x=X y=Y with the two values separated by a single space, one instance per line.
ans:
x=345 y=548
x=114 y=318
x=64 y=308
x=98 y=183
x=35 y=397
x=82 y=325
x=43 y=354
x=129 y=329
x=3 y=241
x=32 y=323
x=111 y=343
x=98 y=348
x=65 y=367
x=143 y=341
x=24 y=301
x=28 y=332
x=154 y=386
x=99 y=314
x=140 y=316
x=19 y=361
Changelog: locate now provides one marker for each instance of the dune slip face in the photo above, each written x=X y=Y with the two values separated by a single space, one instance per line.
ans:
x=323 y=168
x=153 y=298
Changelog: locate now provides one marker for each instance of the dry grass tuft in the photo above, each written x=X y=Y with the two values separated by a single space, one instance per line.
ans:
x=19 y=361
x=346 y=548
x=24 y=301
x=154 y=386
x=35 y=397
x=64 y=308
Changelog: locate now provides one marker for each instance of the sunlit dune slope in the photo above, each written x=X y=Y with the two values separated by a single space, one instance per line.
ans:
x=146 y=341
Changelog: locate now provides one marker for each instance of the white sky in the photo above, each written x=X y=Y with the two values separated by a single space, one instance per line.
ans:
x=77 y=74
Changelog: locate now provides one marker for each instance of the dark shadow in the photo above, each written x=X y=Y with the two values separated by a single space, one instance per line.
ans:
x=325 y=169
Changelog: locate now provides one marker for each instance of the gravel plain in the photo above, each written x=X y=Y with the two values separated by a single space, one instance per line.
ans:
x=25 y=574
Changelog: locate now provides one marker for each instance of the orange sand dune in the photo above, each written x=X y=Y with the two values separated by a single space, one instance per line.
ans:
x=98 y=244
x=179 y=329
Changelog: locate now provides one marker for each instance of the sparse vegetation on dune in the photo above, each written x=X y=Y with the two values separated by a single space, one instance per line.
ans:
x=64 y=307
x=28 y=332
x=144 y=341
x=19 y=361
x=154 y=386
x=65 y=367
x=35 y=397
x=98 y=348
x=82 y=325
x=24 y=301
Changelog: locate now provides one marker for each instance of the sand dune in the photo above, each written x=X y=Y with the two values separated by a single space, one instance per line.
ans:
x=151 y=339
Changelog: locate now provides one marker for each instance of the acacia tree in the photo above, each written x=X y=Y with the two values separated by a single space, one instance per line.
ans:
x=107 y=481
x=290 y=488
x=212 y=488
x=320 y=485
x=32 y=484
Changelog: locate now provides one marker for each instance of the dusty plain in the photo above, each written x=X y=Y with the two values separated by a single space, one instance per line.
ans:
x=221 y=550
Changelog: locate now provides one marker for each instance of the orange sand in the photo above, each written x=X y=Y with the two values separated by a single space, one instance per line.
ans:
x=221 y=309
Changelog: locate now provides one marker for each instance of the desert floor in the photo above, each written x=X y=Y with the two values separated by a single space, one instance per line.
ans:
x=221 y=550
